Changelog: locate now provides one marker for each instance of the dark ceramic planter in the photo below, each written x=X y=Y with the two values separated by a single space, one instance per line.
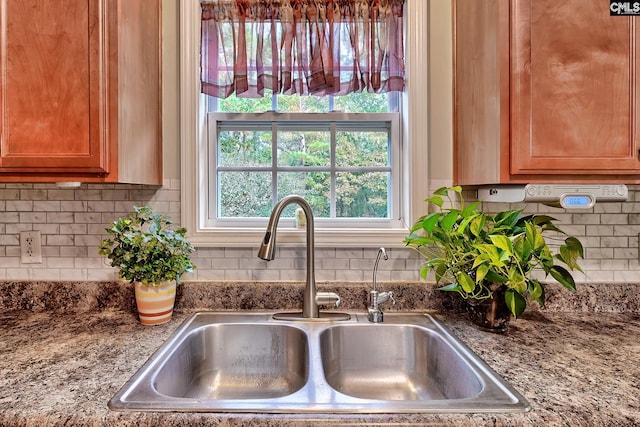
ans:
x=490 y=314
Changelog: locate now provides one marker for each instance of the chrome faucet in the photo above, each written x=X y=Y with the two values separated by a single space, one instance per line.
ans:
x=311 y=298
x=374 y=312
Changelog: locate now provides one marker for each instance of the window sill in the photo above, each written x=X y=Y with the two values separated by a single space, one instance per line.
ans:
x=345 y=238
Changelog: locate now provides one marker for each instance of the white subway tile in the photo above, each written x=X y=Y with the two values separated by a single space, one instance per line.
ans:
x=11 y=261
x=46 y=206
x=209 y=253
x=60 y=262
x=12 y=251
x=332 y=264
x=614 y=219
x=235 y=275
x=60 y=217
x=6 y=217
x=608 y=208
x=630 y=207
x=73 y=274
x=189 y=276
x=58 y=240
x=9 y=194
x=325 y=275
x=614 y=242
x=48 y=228
x=586 y=219
x=325 y=253
x=162 y=207
x=625 y=253
x=626 y=230
x=294 y=275
x=101 y=274
x=33 y=194
x=58 y=194
x=349 y=253
x=50 y=251
x=240 y=253
x=626 y=276
x=602 y=253
x=100 y=206
x=19 y=205
x=614 y=264
x=73 y=206
x=33 y=217
x=48 y=274
x=600 y=276
x=73 y=221
x=597 y=230
x=78 y=252
x=349 y=275
x=405 y=276
x=9 y=239
x=588 y=242
x=18 y=274
x=363 y=264
x=77 y=229
x=266 y=274
x=16 y=228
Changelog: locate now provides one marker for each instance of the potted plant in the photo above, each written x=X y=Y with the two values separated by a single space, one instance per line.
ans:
x=489 y=258
x=151 y=253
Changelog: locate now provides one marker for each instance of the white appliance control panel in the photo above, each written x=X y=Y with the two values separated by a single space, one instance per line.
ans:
x=568 y=196
x=576 y=196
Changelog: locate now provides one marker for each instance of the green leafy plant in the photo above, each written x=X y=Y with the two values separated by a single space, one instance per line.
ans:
x=470 y=250
x=147 y=248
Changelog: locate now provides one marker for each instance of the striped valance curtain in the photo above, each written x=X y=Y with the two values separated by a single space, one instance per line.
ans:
x=306 y=47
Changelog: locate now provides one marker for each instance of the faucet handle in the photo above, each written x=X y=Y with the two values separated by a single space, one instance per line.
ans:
x=328 y=298
x=378 y=298
x=386 y=296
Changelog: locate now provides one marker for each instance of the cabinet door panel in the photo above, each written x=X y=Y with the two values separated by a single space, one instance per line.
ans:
x=573 y=93
x=50 y=88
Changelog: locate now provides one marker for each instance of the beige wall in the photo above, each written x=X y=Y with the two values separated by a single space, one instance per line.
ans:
x=170 y=89
x=441 y=91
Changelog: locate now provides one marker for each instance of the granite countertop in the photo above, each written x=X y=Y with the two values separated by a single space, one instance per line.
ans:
x=575 y=368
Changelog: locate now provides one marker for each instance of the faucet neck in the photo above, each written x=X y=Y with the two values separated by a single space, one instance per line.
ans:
x=267 y=250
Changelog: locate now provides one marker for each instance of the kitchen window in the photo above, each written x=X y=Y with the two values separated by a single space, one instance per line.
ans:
x=250 y=152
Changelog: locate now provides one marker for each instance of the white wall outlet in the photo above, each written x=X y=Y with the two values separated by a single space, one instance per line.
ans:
x=30 y=247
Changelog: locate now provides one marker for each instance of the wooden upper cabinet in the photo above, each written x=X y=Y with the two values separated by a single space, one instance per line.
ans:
x=80 y=93
x=545 y=91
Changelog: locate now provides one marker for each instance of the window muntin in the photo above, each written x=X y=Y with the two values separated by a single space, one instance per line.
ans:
x=342 y=163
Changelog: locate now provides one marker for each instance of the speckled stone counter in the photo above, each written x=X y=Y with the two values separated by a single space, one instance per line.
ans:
x=576 y=368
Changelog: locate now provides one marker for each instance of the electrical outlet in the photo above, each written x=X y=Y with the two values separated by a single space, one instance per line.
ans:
x=30 y=247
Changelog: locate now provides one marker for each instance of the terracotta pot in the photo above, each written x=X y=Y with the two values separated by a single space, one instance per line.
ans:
x=155 y=303
x=491 y=314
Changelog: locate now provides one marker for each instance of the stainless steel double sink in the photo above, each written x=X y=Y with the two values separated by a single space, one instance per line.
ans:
x=249 y=362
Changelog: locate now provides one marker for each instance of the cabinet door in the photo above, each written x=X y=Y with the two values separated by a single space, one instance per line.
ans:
x=573 y=89
x=50 y=90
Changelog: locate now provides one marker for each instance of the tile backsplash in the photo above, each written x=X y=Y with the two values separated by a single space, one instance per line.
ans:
x=72 y=223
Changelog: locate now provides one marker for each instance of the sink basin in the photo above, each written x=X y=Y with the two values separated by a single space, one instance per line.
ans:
x=231 y=361
x=395 y=362
x=251 y=362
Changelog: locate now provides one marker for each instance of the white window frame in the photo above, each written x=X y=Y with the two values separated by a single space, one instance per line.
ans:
x=193 y=147
x=391 y=124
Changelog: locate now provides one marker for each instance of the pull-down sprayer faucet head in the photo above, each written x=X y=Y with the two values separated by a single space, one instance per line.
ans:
x=267 y=249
